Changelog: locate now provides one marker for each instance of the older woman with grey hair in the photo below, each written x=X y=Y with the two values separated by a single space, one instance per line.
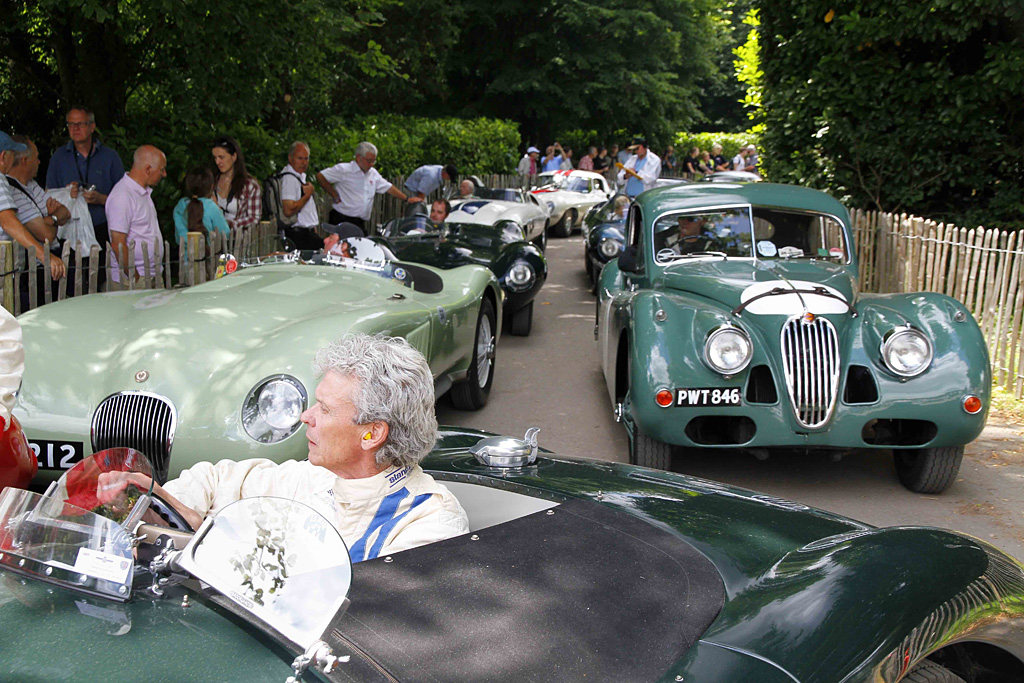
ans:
x=372 y=423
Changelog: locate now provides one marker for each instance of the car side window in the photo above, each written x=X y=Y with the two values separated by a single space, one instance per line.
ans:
x=636 y=225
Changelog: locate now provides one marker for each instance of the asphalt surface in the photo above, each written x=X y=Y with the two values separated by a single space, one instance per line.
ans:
x=552 y=379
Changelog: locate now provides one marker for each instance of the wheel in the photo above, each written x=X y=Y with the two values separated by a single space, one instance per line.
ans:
x=521 y=321
x=563 y=228
x=928 y=671
x=472 y=392
x=928 y=470
x=542 y=240
x=648 y=452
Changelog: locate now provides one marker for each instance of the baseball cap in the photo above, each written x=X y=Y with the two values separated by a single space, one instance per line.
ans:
x=9 y=145
x=638 y=140
x=531 y=150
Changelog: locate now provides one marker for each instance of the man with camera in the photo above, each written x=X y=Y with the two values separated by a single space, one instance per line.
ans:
x=86 y=165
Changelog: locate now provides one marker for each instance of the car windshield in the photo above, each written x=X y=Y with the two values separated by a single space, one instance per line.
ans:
x=577 y=185
x=501 y=194
x=410 y=226
x=789 y=234
x=745 y=232
x=614 y=210
x=722 y=232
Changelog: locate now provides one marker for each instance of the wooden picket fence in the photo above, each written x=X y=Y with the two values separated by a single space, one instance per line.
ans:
x=983 y=269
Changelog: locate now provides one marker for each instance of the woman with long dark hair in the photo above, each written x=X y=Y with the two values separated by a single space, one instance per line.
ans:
x=196 y=211
x=236 y=192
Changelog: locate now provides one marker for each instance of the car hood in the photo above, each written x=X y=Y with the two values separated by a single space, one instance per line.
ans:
x=735 y=281
x=212 y=341
x=485 y=211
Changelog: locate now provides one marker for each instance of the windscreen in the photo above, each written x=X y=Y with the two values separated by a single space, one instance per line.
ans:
x=722 y=232
x=787 y=234
x=505 y=195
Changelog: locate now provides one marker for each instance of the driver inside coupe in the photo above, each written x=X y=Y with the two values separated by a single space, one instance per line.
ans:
x=372 y=423
x=691 y=236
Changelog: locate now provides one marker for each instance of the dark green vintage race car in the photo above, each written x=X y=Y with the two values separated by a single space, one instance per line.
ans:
x=484 y=233
x=573 y=570
x=733 y=319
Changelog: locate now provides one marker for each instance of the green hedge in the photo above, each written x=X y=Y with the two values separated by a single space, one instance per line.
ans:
x=404 y=142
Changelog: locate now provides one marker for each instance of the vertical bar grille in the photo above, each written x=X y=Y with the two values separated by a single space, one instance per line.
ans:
x=139 y=420
x=810 y=359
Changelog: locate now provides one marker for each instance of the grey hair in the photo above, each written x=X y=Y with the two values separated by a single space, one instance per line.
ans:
x=21 y=156
x=89 y=116
x=295 y=145
x=395 y=386
x=364 y=148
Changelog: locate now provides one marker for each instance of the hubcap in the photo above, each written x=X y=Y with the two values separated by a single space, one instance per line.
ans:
x=484 y=351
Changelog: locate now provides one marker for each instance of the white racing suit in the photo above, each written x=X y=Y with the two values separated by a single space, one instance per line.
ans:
x=397 y=509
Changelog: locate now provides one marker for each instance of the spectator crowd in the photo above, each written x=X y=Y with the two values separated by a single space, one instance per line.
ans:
x=616 y=163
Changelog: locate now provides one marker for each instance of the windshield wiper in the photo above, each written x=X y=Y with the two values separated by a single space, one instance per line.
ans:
x=776 y=291
x=672 y=256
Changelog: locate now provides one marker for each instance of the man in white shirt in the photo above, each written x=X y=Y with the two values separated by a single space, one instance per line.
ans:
x=353 y=184
x=131 y=215
x=371 y=424
x=640 y=170
x=297 y=198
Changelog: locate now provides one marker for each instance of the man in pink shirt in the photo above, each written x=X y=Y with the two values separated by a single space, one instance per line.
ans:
x=131 y=215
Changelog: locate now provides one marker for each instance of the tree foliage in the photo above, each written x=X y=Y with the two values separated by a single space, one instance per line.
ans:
x=899 y=105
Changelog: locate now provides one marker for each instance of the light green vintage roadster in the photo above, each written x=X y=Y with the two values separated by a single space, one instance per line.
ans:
x=226 y=366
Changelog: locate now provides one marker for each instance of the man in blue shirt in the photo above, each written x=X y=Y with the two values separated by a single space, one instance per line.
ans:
x=553 y=161
x=426 y=179
x=89 y=166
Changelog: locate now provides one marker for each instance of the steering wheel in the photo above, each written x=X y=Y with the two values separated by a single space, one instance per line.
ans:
x=167 y=512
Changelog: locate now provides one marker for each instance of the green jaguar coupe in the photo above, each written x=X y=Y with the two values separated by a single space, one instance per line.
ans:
x=226 y=367
x=733 y=319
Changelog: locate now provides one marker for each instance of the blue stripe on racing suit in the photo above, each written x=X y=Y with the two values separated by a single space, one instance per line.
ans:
x=386 y=521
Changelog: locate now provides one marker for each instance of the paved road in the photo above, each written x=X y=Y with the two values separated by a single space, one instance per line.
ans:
x=552 y=380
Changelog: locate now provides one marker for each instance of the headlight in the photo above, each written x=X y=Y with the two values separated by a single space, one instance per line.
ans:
x=520 y=276
x=272 y=410
x=728 y=350
x=610 y=248
x=906 y=352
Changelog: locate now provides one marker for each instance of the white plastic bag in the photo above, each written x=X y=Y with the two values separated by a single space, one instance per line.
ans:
x=79 y=231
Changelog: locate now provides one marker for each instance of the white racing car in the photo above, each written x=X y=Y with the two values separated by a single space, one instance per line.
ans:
x=570 y=194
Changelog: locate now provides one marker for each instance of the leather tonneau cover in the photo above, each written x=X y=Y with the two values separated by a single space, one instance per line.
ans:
x=588 y=593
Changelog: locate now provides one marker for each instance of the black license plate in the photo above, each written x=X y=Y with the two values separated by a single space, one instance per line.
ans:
x=708 y=396
x=57 y=455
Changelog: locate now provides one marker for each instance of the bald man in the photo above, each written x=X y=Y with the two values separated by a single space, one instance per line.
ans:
x=131 y=215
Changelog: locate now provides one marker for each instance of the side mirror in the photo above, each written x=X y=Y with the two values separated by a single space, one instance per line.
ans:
x=627 y=260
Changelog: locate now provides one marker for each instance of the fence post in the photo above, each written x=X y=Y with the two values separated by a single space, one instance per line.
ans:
x=7 y=267
x=193 y=264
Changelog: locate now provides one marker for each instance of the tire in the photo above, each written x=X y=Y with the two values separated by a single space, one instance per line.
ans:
x=928 y=470
x=563 y=228
x=521 y=321
x=648 y=452
x=472 y=392
x=542 y=240
x=928 y=671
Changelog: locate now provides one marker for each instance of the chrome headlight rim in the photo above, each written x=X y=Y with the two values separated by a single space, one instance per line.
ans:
x=614 y=244
x=717 y=335
x=899 y=335
x=520 y=276
x=254 y=416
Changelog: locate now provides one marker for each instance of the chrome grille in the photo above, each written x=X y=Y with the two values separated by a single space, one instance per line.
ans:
x=810 y=359
x=139 y=420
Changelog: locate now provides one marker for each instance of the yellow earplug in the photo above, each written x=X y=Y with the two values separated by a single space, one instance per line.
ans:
x=367 y=436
